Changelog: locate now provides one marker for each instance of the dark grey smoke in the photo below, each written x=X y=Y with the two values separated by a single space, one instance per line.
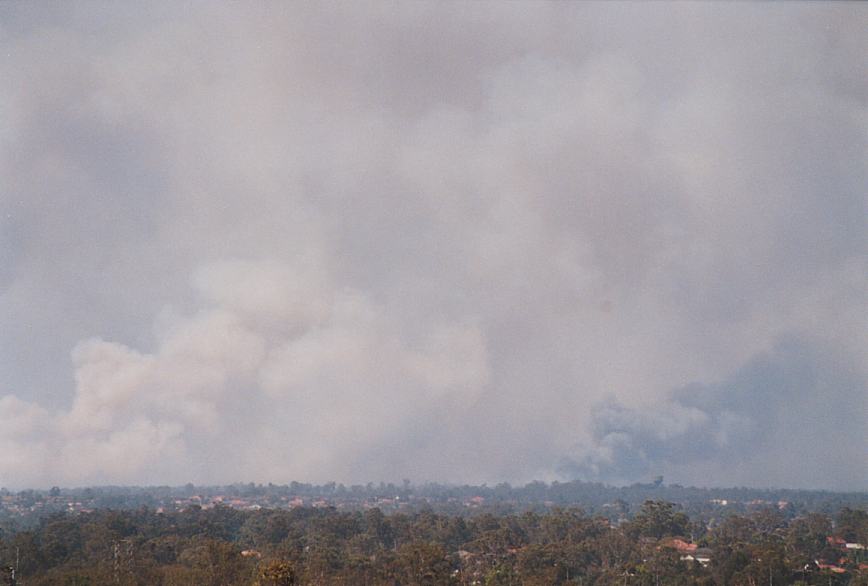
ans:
x=796 y=410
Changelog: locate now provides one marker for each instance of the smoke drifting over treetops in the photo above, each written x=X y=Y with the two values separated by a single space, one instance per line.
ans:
x=459 y=242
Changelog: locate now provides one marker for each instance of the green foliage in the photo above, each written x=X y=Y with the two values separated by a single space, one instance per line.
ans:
x=276 y=573
x=853 y=525
x=659 y=519
x=223 y=547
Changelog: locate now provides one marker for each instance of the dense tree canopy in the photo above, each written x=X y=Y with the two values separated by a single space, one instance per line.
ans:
x=273 y=547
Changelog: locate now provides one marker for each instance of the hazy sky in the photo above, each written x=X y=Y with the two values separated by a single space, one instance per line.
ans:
x=450 y=241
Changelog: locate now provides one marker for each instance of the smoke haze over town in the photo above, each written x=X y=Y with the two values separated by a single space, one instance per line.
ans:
x=455 y=242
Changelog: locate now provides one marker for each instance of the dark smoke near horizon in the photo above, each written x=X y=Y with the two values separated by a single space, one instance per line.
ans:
x=472 y=243
x=752 y=422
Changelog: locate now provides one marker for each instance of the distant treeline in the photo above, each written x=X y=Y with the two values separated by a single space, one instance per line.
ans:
x=220 y=546
x=594 y=498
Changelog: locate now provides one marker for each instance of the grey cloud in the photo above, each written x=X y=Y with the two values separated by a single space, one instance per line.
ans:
x=794 y=412
x=424 y=240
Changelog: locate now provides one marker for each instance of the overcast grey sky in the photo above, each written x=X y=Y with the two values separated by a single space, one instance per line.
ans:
x=453 y=241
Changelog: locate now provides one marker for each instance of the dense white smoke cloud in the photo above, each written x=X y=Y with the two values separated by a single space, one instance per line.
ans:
x=471 y=242
x=273 y=375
